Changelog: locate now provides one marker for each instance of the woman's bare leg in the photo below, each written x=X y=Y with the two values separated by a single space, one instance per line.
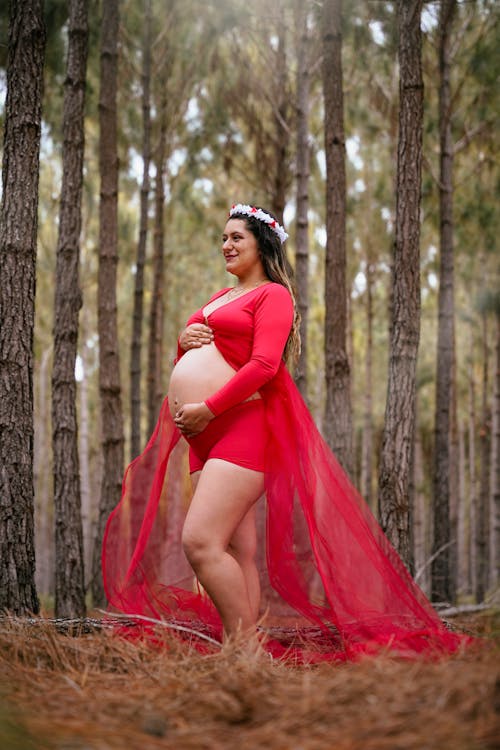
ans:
x=243 y=547
x=223 y=496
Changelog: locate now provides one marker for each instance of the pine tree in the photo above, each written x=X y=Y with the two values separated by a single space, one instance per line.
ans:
x=70 y=586
x=443 y=588
x=18 y=231
x=395 y=465
x=109 y=360
x=136 y=345
x=338 y=418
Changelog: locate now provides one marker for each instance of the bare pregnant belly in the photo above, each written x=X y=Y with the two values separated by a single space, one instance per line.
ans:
x=197 y=375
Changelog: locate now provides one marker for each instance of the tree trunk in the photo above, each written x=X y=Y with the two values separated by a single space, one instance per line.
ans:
x=495 y=468
x=136 y=347
x=282 y=137
x=69 y=569
x=454 y=478
x=405 y=328
x=463 y=546
x=473 y=510
x=367 y=442
x=442 y=583
x=109 y=360
x=419 y=525
x=484 y=452
x=18 y=231
x=338 y=418
x=155 y=352
x=44 y=526
x=83 y=452
x=302 y=221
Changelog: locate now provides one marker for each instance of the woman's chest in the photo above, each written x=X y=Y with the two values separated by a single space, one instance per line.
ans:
x=232 y=321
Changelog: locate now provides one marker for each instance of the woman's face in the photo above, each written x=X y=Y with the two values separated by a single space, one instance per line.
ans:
x=240 y=249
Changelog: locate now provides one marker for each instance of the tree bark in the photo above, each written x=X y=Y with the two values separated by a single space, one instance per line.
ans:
x=84 y=460
x=136 y=347
x=44 y=526
x=155 y=349
x=473 y=508
x=109 y=360
x=405 y=328
x=419 y=516
x=454 y=478
x=495 y=468
x=338 y=417
x=280 y=114
x=443 y=588
x=482 y=553
x=302 y=184
x=69 y=569
x=18 y=233
x=463 y=547
x=367 y=441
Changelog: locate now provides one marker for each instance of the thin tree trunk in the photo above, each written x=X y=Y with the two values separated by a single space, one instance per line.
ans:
x=473 y=509
x=109 y=360
x=83 y=449
x=367 y=443
x=495 y=468
x=463 y=546
x=338 y=417
x=419 y=535
x=136 y=347
x=405 y=329
x=484 y=452
x=303 y=158
x=70 y=579
x=442 y=584
x=18 y=231
x=282 y=133
x=156 y=316
x=44 y=538
x=454 y=478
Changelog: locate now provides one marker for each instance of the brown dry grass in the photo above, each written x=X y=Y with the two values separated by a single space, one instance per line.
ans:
x=95 y=691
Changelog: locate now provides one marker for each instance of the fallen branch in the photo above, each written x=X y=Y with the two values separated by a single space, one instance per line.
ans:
x=163 y=624
x=461 y=609
x=88 y=624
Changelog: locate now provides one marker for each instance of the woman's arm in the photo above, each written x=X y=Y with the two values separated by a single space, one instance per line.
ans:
x=273 y=321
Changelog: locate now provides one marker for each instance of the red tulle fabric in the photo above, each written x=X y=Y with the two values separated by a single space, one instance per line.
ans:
x=333 y=586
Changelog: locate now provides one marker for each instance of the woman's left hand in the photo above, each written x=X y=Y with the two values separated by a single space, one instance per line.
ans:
x=193 y=418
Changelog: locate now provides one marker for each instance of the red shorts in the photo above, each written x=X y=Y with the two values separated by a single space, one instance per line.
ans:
x=238 y=435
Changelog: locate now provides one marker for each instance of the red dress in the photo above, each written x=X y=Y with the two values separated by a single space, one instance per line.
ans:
x=346 y=589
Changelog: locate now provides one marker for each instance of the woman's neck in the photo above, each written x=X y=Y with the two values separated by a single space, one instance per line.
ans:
x=251 y=280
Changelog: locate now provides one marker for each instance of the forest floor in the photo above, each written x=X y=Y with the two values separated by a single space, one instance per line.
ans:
x=95 y=691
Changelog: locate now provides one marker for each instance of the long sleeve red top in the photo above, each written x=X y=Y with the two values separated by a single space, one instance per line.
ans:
x=250 y=331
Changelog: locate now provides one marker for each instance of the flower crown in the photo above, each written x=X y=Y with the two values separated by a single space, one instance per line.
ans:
x=258 y=213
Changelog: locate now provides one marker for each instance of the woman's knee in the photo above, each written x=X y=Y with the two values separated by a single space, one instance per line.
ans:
x=243 y=548
x=198 y=546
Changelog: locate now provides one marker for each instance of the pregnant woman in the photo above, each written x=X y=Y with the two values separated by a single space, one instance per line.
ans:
x=250 y=433
x=219 y=410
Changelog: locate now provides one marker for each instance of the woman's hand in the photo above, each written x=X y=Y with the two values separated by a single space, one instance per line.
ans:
x=195 y=335
x=193 y=418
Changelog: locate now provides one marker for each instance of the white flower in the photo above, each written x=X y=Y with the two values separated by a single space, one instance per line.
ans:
x=258 y=213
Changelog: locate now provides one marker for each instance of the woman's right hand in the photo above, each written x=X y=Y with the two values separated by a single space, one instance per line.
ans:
x=195 y=335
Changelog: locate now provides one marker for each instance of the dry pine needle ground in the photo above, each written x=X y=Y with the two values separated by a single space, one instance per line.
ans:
x=96 y=691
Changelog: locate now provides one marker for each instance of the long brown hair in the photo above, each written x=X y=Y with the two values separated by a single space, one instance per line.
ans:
x=278 y=269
